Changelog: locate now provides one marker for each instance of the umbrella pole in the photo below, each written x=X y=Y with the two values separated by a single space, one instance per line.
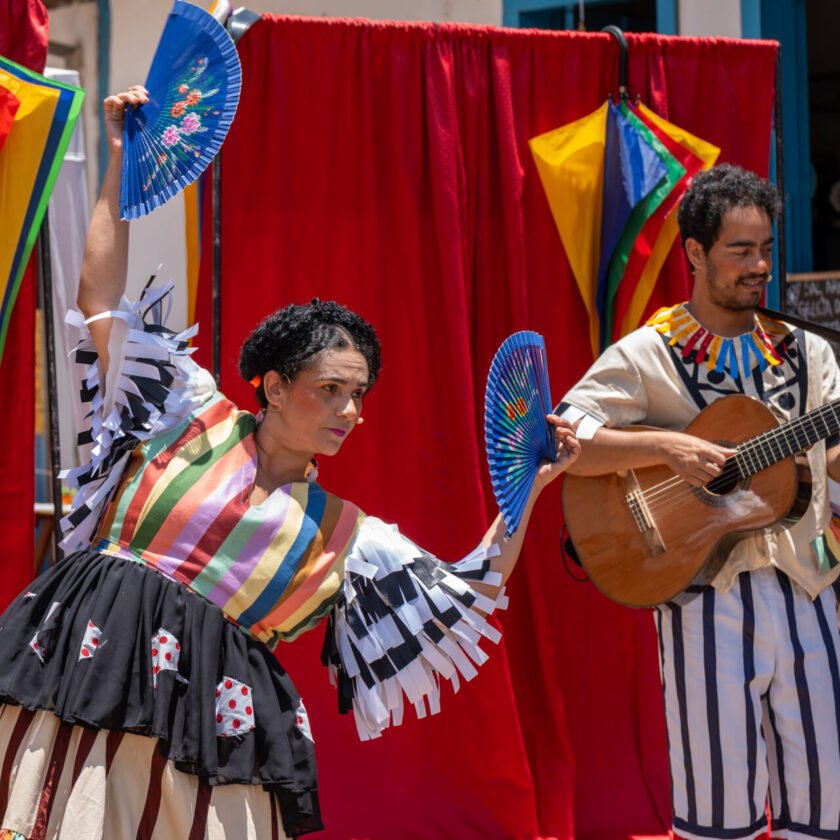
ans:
x=46 y=290
x=780 y=179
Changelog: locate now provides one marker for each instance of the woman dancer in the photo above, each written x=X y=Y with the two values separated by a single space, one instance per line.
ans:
x=140 y=695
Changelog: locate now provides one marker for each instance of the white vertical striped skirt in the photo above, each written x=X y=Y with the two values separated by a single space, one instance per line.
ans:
x=752 y=703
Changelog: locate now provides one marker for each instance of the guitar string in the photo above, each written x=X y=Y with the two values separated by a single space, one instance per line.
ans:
x=751 y=452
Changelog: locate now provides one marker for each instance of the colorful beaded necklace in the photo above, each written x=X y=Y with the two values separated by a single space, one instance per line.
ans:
x=720 y=354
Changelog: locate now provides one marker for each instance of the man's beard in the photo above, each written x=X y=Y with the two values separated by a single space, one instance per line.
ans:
x=729 y=299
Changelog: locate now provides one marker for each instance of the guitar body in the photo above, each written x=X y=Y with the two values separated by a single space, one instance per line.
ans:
x=685 y=533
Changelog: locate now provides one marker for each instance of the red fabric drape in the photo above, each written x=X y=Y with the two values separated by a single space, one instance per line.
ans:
x=23 y=38
x=387 y=166
x=23 y=32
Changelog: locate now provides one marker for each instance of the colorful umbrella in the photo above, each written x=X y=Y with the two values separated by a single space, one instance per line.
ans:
x=613 y=180
x=597 y=173
x=29 y=163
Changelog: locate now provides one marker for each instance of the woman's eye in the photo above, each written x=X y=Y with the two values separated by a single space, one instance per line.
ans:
x=357 y=395
x=330 y=388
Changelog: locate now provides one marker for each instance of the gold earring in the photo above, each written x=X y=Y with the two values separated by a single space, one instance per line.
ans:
x=360 y=420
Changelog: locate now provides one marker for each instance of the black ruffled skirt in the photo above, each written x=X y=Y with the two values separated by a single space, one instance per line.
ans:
x=93 y=642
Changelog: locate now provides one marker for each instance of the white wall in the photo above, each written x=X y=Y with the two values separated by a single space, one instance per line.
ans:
x=75 y=26
x=709 y=18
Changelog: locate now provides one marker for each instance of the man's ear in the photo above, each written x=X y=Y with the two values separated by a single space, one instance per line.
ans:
x=695 y=252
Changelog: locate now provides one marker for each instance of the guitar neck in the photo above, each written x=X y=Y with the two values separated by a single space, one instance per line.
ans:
x=764 y=450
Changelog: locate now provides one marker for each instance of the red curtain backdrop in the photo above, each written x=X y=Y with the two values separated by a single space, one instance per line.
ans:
x=387 y=166
x=23 y=38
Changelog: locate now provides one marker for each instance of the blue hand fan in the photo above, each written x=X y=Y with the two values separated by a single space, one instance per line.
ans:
x=193 y=85
x=517 y=435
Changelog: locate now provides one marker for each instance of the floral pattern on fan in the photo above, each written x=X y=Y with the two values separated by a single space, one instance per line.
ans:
x=194 y=84
x=185 y=104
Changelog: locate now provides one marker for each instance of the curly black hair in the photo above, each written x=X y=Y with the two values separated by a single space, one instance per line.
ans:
x=717 y=190
x=288 y=339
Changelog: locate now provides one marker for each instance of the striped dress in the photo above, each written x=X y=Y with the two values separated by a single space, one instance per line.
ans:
x=273 y=569
x=138 y=692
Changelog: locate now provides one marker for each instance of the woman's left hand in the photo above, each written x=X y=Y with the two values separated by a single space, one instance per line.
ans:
x=568 y=449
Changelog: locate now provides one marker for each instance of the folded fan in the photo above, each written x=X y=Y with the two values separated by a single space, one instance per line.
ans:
x=517 y=435
x=193 y=85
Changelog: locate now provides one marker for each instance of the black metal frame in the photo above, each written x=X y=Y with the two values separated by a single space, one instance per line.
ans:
x=45 y=287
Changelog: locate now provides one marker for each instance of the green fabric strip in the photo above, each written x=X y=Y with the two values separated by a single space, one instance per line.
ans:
x=827 y=560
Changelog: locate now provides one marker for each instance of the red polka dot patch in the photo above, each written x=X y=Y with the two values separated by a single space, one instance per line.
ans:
x=36 y=647
x=166 y=653
x=234 y=708
x=302 y=721
x=90 y=641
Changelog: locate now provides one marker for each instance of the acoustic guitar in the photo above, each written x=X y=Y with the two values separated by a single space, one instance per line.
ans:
x=645 y=535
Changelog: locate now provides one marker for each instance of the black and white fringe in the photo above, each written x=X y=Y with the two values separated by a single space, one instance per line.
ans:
x=405 y=620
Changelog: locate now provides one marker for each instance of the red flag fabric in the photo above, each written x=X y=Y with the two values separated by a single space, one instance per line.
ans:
x=386 y=165
x=17 y=427
x=9 y=104
x=23 y=38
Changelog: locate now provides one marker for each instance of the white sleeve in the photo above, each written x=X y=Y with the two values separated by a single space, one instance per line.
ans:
x=152 y=385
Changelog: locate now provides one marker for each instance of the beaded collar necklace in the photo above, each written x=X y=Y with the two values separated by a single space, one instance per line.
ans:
x=719 y=353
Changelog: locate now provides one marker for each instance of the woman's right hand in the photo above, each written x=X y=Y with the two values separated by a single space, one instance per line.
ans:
x=114 y=111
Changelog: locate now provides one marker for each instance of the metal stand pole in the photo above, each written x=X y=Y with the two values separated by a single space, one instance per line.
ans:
x=217 y=267
x=780 y=181
x=237 y=25
x=45 y=287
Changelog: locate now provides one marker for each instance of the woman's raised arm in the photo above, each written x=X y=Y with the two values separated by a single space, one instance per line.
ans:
x=105 y=263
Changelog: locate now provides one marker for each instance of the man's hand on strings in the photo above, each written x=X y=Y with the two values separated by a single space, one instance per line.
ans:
x=693 y=459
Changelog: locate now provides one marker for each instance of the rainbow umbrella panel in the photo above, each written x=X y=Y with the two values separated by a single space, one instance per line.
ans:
x=38 y=116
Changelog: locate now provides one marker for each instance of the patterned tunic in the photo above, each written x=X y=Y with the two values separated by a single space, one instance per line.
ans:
x=666 y=372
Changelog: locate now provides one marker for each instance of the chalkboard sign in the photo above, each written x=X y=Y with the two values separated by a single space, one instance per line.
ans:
x=816 y=297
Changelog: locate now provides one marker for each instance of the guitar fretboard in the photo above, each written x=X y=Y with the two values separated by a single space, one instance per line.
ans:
x=775 y=445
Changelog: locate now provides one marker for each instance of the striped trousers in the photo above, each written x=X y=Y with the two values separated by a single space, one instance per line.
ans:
x=752 y=704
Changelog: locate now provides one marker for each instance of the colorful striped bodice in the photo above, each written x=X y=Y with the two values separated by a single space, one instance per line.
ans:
x=184 y=508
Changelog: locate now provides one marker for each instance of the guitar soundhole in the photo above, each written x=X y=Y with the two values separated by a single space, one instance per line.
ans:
x=726 y=483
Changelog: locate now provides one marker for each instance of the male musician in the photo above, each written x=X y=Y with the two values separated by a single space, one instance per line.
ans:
x=750 y=664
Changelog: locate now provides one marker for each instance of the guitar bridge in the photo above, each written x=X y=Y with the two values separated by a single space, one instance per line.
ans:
x=641 y=514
